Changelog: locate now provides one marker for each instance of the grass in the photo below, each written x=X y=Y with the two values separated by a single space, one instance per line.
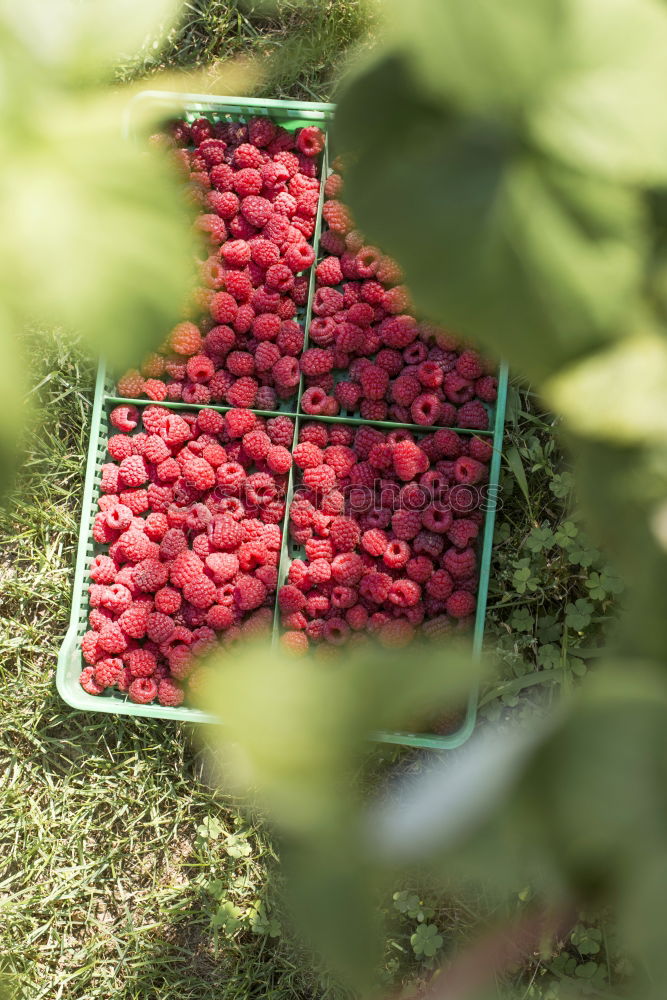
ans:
x=119 y=883
x=106 y=891
x=111 y=889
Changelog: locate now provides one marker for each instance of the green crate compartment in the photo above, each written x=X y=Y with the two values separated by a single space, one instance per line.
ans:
x=70 y=660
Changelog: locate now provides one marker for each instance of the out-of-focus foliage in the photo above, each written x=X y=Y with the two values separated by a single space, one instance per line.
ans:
x=296 y=731
x=94 y=234
x=513 y=158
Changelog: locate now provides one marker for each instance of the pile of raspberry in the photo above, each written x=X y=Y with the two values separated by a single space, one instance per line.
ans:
x=257 y=189
x=189 y=519
x=390 y=366
x=388 y=524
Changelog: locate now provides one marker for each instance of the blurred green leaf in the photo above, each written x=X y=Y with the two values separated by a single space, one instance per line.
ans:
x=479 y=53
x=81 y=42
x=467 y=187
x=599 y=111
x=582 y=391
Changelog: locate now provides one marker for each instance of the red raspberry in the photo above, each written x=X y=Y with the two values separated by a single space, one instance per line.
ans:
x=213 y=227
x=336 y=631
x=310 y=140
x=134 y=620
x=247 y=182
x=290 y=599
x=374 y=541
x=256 y=210
x=397 y=554
x=256 y=444
x=243 y=393
x=374 y=381
x=373 y=409
x=200 y=368
x=266 y=326
x=419 y=568
x=375 y=587
x=201 y=592
x=462 y=532
x=472 y=415
x=409 y=460
x=486 y=388
x=120 y=446
x=405 y=593
x=299 y=256
x=88 y=682
x=337 y=216
x=111 y=639
x=460 y=563
x=264 y=252
x=117 y=598
x=143 y=690
x=327 y=302
x=141 y=663
x=249 y=593
x=220 y=340
x=295 y=643
x=133 y=471
x=290 y=338
x=239 y=422
x=319 y=548
x=461 y=604
x=307 y=455
x=480 y=449
x=169 y=692
x=262 y=131
x=224 y=532
x=425 y=409
x=136 y=500
x=150 y=575
x=223 y=566
x=266 y=398
x=322 y=331
x=124 y=418
x=222 y=177
x=185 y=568
x=90 y=647
x=247 y=155
x=440 y=585
x=344 y=534
x=107 y=672
x=278 y=459
x=131 y=384
x=347 y=567
x=447 y=444
x=315 y=401
x=469 y=365
x=220 y=617
x=280 y=277
x=223 y=203
x=406 y=524
x=223 y=307
x=185 y=339
x=321 y=478
x=457 y=389
x=199 y=473
x=167 y=600
x=195 y=392
x=328 y=271
x=396 y=634
x=437 y=518
x=467 y=470
x=316 y=361
x=103 y=570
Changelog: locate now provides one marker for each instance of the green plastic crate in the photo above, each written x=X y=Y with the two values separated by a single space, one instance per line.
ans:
x=290 y=114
